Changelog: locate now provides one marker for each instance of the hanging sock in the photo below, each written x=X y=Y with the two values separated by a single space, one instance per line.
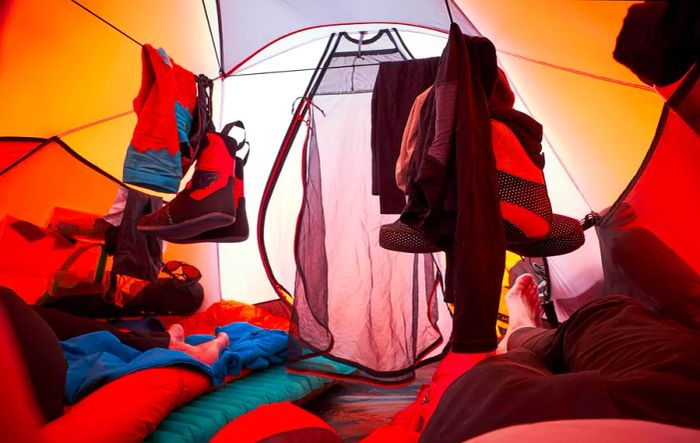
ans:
x=208 y=201
x=164 y=106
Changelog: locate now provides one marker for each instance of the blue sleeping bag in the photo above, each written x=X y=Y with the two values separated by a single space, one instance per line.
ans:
x=99 y=357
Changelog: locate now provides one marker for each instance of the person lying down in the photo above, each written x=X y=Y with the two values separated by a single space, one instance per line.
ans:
x=67 y=357
x=613 y=358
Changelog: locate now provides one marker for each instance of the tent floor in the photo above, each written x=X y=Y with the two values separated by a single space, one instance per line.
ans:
x=355 y=409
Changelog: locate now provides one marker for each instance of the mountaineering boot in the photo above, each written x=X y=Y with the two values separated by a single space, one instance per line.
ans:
x=207 y=202
x=525 y=205
x=233 y=233
x=401 y=237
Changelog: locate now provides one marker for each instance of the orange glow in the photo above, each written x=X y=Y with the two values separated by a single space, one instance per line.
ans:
x=600 y=130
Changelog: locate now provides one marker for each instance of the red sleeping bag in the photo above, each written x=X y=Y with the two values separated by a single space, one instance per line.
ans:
x=130 y=408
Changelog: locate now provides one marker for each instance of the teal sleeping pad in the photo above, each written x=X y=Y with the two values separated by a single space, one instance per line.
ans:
x=199 y=420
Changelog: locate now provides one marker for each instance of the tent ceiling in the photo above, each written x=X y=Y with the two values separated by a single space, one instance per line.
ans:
x=575 y=34
x=250 y=25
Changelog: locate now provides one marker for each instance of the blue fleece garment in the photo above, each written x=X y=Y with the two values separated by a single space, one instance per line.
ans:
x=154 y=169
x=99 y=357
x=258 y=347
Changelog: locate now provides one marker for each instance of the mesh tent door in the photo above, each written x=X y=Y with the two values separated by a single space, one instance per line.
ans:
x=352 y=300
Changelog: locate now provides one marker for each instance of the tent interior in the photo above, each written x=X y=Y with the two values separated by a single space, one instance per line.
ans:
x=368 y=327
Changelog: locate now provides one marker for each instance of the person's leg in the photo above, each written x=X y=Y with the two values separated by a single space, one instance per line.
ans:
x=613 y=335
x=41 y=351
x=617 y=335
x=651 y=365
x=67 y=326
x=517 y=386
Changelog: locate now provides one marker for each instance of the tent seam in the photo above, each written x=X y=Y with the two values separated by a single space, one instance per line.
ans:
x=579 y=72
x=93 y=123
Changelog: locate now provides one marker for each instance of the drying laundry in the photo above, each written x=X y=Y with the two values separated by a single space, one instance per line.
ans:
x=165 y=107
x=396 y=87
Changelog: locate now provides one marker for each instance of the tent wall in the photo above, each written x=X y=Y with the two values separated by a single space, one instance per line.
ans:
x=61 y=69
x=65 y=68
x=649 y=248
x=30 y=191
x=601 y=134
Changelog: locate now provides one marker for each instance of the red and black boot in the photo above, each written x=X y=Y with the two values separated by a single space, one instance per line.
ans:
x=208 y=200
x=239 y=230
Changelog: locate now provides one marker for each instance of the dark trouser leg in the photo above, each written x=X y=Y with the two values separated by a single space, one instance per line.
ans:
x=612 y=358
x=41 y=351
x=68 y=326
x=515 y=388
x=651 y=365
x=537 y=340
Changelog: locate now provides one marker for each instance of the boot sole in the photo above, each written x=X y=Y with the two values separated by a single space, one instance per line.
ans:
x=401 y=239
x=190 y=228
x=235 y=233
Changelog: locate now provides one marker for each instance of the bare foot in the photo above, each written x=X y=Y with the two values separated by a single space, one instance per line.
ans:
x=523 y=308
x=207 y=352
x=177 y=332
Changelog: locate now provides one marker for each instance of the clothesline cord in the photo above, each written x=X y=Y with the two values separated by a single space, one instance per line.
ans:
x=449 y=10
x=550 y=65
x=213 y=41
x=95 y=123
x=107 y=23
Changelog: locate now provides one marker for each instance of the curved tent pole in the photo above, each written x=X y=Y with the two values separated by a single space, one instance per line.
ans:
x=301 y=110
x=309 y=28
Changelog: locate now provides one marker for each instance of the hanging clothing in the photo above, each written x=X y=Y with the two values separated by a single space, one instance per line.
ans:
x=452 y=187
x=136 y=254
x=517 y=146
x=527 y=130
x=396 y=88
x=410 y=138
x=165 y=109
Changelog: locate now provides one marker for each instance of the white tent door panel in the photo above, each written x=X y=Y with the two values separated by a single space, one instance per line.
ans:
x=365 y=282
